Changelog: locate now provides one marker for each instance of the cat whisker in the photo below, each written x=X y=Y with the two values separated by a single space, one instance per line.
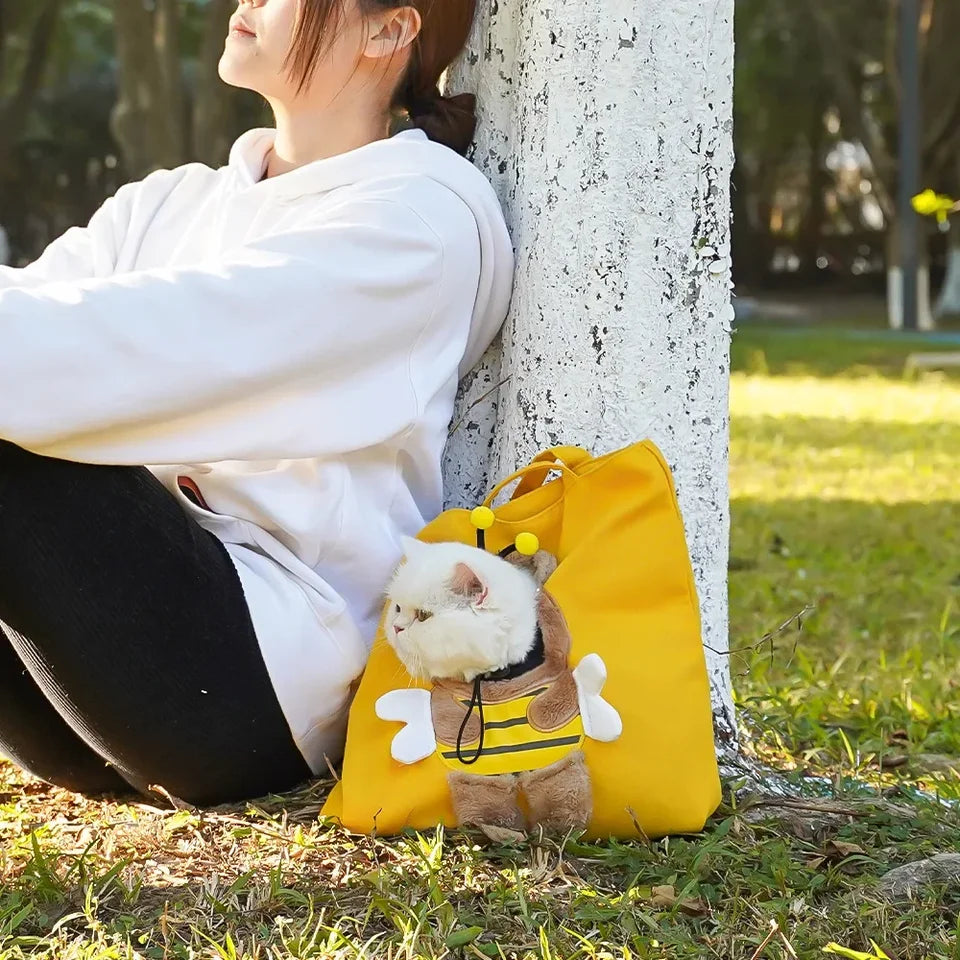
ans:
x=418 y=672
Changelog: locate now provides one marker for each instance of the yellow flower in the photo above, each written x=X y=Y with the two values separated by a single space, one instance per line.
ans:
x=933 y=204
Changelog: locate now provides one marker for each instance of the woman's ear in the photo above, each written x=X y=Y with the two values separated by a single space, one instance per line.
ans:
x=465 y=583
x=392 y=31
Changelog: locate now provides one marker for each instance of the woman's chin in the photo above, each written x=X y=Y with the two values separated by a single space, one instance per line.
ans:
x=235 y=72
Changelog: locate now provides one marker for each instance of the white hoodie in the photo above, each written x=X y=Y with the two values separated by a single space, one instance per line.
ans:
x=291 y=347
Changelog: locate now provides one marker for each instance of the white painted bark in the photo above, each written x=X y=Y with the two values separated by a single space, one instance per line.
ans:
x=925 y=318
x=948 y=304
x=606 y=128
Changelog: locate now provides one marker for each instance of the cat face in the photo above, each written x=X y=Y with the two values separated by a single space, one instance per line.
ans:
x=456 y=612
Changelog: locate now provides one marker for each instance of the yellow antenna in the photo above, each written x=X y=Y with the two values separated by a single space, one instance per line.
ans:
x=483 y=519
x=527 y=544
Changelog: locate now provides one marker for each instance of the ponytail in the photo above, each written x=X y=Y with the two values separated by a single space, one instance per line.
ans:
x=451 y=121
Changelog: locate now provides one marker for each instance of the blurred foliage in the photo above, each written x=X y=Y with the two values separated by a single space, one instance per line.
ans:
x=95 y=92
x=817 y=105
x=74 y=105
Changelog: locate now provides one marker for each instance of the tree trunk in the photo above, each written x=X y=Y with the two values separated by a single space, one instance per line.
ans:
x=948 y=304
x=14 y=113
x=606 y=130
x=215 y=105
x=149 y=134
x=925 y=318
x=166 y=42
x=818 y=182
x=3 y=38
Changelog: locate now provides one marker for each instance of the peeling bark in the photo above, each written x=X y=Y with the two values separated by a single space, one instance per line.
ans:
x=606 y=129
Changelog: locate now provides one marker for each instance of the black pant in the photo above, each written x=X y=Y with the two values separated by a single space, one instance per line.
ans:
x=127 y=656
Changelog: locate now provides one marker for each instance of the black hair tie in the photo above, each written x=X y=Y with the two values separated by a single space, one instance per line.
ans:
x=425 y=102
x=476 y=700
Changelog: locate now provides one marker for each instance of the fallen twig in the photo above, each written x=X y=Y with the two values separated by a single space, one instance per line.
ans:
x=477 y=402
x=774 y=930
x=769 y=638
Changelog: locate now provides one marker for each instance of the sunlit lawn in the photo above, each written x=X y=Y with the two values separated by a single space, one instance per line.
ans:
x=846 y=495
x=845 y=498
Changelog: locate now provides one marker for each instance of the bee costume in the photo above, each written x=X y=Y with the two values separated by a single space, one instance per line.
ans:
x=513 y=736
x=605 y=726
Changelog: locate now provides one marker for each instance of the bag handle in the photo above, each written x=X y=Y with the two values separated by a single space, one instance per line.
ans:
x=525 y=471
x=571 y=457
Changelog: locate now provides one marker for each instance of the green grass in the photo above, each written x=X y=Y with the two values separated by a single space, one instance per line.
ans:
x=112 y=881
x=848 y=351
x=845 y=497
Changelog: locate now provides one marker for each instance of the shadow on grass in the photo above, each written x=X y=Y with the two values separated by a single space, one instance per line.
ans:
x=832 y=351
x=880 y=573
x=881 y=652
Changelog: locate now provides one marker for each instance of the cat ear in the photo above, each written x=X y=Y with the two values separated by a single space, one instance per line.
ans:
x=466 y=583
x=411 y=547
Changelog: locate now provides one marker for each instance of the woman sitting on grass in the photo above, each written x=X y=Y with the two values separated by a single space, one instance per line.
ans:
x=279 y=341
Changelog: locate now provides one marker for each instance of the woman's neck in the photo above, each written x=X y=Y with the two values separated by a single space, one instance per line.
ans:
x=305 y=135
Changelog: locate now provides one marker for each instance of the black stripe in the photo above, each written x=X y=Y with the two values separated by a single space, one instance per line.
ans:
x=523 y=696
x=503 y=724
x=521 y=747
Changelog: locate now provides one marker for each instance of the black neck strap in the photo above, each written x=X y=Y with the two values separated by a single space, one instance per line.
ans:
x=533 y=659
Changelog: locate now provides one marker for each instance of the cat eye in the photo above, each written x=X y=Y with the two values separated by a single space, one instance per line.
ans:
x=423 y=615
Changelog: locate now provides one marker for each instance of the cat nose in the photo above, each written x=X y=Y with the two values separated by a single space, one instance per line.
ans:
x=398 y=629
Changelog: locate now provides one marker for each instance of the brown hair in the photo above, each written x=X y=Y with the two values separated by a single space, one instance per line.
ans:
x=445 y=28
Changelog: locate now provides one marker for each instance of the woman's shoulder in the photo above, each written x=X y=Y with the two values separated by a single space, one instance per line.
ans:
x=437 y=185
x=440 y=208
x=155 y=188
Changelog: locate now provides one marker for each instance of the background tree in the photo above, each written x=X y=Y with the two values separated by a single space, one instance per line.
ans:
x=97 y=92
x=26 y=40
x=781 y=135
x=817 y=107
x=171 y=104
x=57 y=159
x=866 y=79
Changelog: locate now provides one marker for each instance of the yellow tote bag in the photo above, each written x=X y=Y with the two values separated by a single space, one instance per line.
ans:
x=625 y=585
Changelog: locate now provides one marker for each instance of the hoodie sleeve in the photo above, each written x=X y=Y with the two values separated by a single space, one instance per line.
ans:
x=297 y=345
x=81 y=252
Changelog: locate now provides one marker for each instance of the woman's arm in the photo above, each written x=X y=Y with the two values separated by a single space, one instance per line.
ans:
x=295 y=346
x=70 y=257
x=82 y=253
x=79 y=253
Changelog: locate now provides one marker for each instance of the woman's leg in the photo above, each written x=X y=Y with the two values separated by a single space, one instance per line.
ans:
x=132 y=622
x=37 y=738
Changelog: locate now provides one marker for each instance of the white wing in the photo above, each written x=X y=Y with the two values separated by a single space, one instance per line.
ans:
x=600 y=720
x=416 y=741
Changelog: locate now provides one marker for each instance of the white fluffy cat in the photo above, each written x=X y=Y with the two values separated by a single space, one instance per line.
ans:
x=457 y=612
